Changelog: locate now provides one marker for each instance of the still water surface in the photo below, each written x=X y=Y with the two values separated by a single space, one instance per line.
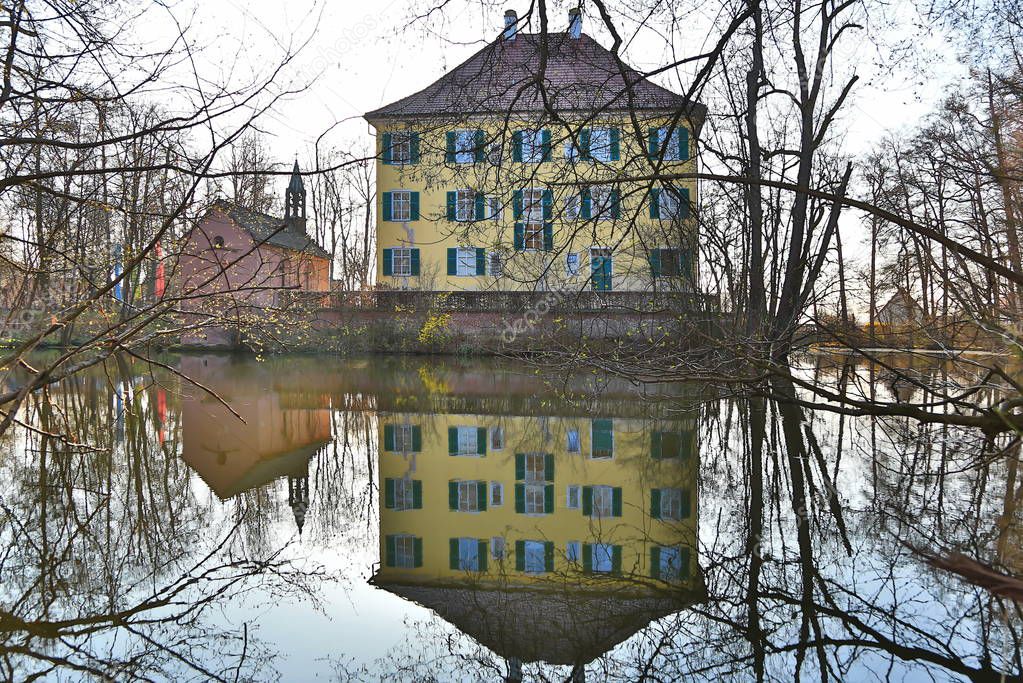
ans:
x=423 y=519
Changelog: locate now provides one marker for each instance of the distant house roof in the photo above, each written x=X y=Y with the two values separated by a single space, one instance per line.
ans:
x=579 y=75
x=270 y=229
x=902 y=307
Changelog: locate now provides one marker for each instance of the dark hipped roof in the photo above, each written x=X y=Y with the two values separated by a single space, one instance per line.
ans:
x=580 y=75
x=270 y=229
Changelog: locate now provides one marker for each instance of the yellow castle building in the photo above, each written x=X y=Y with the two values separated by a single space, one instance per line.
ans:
x=540 y=163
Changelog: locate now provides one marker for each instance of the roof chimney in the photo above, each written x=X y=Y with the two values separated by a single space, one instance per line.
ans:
x=575 y=23
x=511 y=21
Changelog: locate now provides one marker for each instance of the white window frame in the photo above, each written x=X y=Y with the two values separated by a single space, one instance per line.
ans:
x=669 y=204
x=497 y=500
x=496 y=438
x=600 y=202
x=532 y=146
x=671 y=504
x=577 y=447
x=573 y=497
x=495 y=262
x=574 y=552
x=666 y=555
x=572 y=267
x=464 y=434
x=402 y=199
x=602 y=495
x=401 y=140
x=534 y=498
x=532 y=204
x=468 y=496
x=405 y=551
x=533 y=550
x=672 y=151
x=403 y=438
x=465 y=261
x=465 y=146
x=492 y=207
x=530 y=460
x=600 y=151
x=403 y=494
x=497 y=547
x=532 y=236
x=473 y=545
x=401 y=261
x=600 y=553
x=573 y=206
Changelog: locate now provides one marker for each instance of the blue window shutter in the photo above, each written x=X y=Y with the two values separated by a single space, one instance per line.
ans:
x=417 y=550
x=616 y=204
x=655 y=503
x=655 y=271
x=655 y=561
x=655 y=202
x=683 y=205
x=481 y=269
x=451 y=205
x=520 y=237
x=653 y=143
x=389 y=435
x=388 y=493
x=520 y=556
x=478 y=143
x=585 y=203
x=481 y=432
x=548 y=237
x=683 y=143
x=385 y=148
x=413 y=206
x=385 y=205
x=616 y=144
x=414 y=148
x=520 y=498
x=480 y=206
x=517 y=146
x=449 y=152
x=388 y=262
x=517 y=204
x=452 y=436
x=415 y=271
x=547 y=201
x=584 y=144
x=452 y=495
x=545 y=145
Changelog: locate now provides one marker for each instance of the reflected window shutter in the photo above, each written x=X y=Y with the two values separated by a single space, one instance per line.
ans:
x=548 y=237
x=616 y=559
x=481 y=432
x=414 y=148
x=655 y=503
x=481 y=556
x=548 y=499
x=588 y=501
x=520 y=556
x=547 y=202
x=417 y=552
x=417 y=494
x=683 y=206
x=452 y=440
x=616 y=204
x=655 y=202
x=584 y=144
x=478 y=145
x=520 y=237
x=415 y=271
x=655 y=437
x=548 y=467
x=452 y=495
x=390 y=550
x=449 y=155
x=413 y=206
x=616 y=501
x=481 y=495
x=388 y=493
x=453 y=553
x=481 y=269
x=548 y=556
x=417 y=432
x=388 y=437
x=520 y=498
x=520 y=466
x=385 y=148
x=452 y=261
x=585 y=203
x=587 y=557
x=480 y=206
x=517 y=146
x=517 y=204
x=385 y=206
x=655 y=561
x=683 y=143
x=653 y=143
x=545 y=145
x=616 y=144
x=452 y=200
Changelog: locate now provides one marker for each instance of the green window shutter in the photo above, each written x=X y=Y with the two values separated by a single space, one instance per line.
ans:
x=616 y=559
x=520 y=556
x=545 y=145
x=385 y=148
x=517 y=204
x=480 y=206
x=547 y=202
x=683 y=143
x=388 y=493
x=388 y=262
x=655 y=271
x=481 y=432
x=616 y=501
x=548 y=499
x=417 y=433
x=655 y=437
x=655 y=561
x=452 y=495
x=390 y=550
x=588 y=500
x=481 y=556
x=548 y=237
x=449 y=155
x=385 y=206
x=479 y=143
x=415 y=271
x=388 y=437
x=585 y=203
x=687 y=505
x=683 y=205
x=452 y=261
x=452 y=200
x=548 y=556
x=414 y=148
x=520 y=466
x=587 y=557
x=520 y=498
x=655 y=202
x=413 y=211
x=603 y=435
x=616 y=144
x=481 y=495
x=481 y=269
x=452 y=440
x=683 y=560
x=652 y=143
x=548 y=467
x=616 y=204
x=417 y=494
x=417 y=552
x=520 y=237
x=517 y=146
x=453 y=553
x=584 y=144
x=655 y=503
